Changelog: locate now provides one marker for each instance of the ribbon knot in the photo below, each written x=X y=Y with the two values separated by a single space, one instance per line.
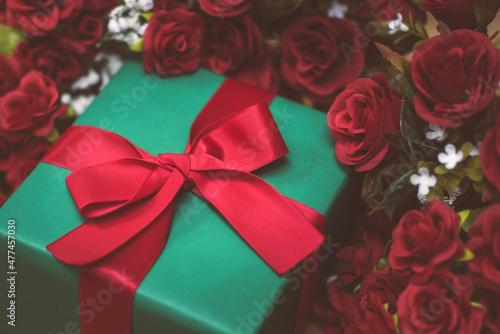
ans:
x=181 y=162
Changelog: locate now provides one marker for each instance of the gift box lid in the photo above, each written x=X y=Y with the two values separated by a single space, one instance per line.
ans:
x=207 y=280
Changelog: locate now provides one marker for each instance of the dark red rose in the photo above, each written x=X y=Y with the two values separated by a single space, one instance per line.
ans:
x=457 y=14
x=340 y=309
x=320 y=56
x=99 y=8
x=3 y=9
x=231 y=44
x=6 y=156
x=376 y=319
x=3 y=198
x=469 y=60
x=260 y=74
x=491 y=301
x=9 y=74
x=31 y=108
x=224 y=8
x=484 y=242
x=36 y=17
x=489 y=154
x=359 y=119
x=440 y=306
x=379 y=221
x=25 y=157
x=426 y=243
x=360 y=257
x=82 y=32
x=169 y=4
x=388 y=10
x=385 y=284
x=68 y=9
x=172 y=42
x=50 y=56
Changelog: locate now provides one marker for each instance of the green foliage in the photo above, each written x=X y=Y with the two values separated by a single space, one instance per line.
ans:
x=9 y=38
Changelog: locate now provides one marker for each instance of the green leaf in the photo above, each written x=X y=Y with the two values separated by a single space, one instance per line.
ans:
x=137 y=47
x=9 y=38
x=410 y=129
x=395 y=194
x=468 y=255
x=396 y=60
x=397 y=141
x=468 y=217
x=147 y=15
x=483 y=14
x=475 y=304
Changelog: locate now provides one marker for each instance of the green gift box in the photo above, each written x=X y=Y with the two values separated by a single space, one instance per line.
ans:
x=207 y=279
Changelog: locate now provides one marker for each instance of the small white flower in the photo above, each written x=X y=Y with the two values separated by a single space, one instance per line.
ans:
x=80 y=103
x=397 y=25
x=424 y=181
x=437 y=132
x=451 y=158
x=66 y=98
x=86 y=81
x=146 y=5
x=143 y=28
x=475 y=150
x=331 y=279
x=337 y=10
x=113 y=26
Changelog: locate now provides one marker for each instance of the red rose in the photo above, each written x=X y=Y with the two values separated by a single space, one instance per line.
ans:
x=169 y=5
x=83 y=32
x=426 y=243
x=319 y=56
x=457 y=14
x=231 y=44
x=9 y=74
x=172 y=42
x=441 y=306
x=484 y=242
x=6 y=156
x=469 y=60
x=360 y=257
x=359 y=119
x=489 y=154
x=31 y=108
x=3 y=8
x=491 y=301
x=385 y=284
x=50 y=56
x=224 y=8
x=388 y=10
x=3 y=199
x=99 y=8
x=37 y=18
x=260 y=74
x=340 y=309
x=25 y=157
x=376 y=319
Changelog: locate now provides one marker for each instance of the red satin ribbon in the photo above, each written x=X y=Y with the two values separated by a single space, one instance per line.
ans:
x=128 y=196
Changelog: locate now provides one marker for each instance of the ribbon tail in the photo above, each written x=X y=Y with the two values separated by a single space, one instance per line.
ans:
x=272 y=225
x=107 y=288
x=98 y=238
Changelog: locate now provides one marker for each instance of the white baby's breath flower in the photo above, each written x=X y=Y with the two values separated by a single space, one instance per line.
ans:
x=424 y=181
x=437 y=132
x=86 y=81
x=337 y=10
x=450 y=157
x=397 y=25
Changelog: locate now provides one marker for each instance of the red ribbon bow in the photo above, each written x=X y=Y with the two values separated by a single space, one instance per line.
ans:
x=128 y=196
